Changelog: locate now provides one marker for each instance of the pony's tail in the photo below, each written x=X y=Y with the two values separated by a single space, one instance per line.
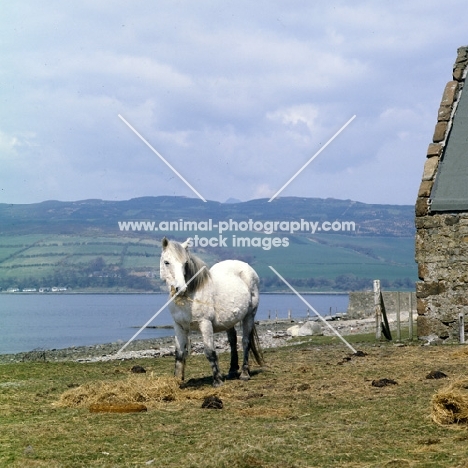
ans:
x=255 y=348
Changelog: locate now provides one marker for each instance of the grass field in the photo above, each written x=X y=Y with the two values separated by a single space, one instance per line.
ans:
x=308 y=407
x=321 y=256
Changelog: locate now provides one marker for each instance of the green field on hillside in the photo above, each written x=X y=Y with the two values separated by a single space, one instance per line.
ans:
x=131 y=262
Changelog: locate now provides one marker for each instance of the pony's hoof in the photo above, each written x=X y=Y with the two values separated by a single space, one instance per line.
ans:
x=217 y=383
x=244 y=376
x=234 y=375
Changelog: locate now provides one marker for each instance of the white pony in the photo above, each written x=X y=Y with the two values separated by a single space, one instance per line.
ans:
x=214 y=301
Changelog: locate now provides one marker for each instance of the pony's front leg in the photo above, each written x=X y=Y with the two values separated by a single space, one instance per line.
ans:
x=206 y=329
x=181 y=342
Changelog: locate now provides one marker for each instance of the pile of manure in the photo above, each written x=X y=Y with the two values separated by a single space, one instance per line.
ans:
x=450 y=404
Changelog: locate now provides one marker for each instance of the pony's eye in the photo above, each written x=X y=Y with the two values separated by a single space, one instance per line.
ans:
x=166 y=262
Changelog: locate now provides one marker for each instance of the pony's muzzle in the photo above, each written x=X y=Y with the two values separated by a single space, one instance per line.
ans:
x=178 y=290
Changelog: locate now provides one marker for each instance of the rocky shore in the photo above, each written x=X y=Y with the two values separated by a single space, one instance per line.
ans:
x=271 y=333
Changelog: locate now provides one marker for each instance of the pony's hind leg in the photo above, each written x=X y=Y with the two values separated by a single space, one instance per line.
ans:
x=206 y=328
x=247 y=327
x=234 y=367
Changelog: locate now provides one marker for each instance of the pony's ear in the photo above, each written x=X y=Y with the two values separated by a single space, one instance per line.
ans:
x=164 y=243
x=186 y=244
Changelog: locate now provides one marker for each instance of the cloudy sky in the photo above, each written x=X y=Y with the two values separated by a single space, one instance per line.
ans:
x=236 y=95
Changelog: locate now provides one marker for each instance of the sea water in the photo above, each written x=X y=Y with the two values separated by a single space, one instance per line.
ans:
x=31 y=321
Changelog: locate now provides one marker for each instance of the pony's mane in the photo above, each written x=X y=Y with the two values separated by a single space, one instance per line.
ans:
x=193 y=265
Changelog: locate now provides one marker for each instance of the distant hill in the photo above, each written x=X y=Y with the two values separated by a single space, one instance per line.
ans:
x=81 y=245
x=103 y=216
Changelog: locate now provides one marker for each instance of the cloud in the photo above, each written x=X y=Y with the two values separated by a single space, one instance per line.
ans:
x=263 y=191
x=237 y=96
x=7 y=145
x=295 y=115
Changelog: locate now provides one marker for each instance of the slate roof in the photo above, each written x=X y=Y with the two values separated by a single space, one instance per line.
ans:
x=444 y=186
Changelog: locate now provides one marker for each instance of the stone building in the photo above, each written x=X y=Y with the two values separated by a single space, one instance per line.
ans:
x=442 y=216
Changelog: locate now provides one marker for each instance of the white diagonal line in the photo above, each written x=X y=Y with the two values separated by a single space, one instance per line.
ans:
x=312 y=158
x=316 y=313
x=162 y=159
x=159 y=311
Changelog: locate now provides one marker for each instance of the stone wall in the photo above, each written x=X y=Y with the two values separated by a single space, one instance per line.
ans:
x=361 y=303
x=441 y=238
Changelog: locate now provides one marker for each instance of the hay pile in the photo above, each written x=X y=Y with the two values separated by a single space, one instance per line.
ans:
x=136 y=388
x=461 y=352
x=450 y=404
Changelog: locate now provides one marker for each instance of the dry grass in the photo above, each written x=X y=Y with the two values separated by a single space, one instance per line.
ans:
x=311 y=406
x=450 y=404
x=139 y=388
x=461 y=352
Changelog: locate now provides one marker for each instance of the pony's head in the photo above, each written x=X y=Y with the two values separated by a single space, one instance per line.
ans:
x=178 y=266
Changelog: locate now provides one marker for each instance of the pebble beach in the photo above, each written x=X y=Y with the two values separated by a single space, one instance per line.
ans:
x=271 y=334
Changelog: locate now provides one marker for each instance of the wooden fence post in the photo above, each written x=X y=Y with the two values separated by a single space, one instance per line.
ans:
x=377 y=310
x=410 y=318
x=398 y=323
x=461 y=324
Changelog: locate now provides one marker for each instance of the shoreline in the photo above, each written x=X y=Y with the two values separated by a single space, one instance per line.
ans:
x=271 y=333
x=149 y=347
x=72 y=292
